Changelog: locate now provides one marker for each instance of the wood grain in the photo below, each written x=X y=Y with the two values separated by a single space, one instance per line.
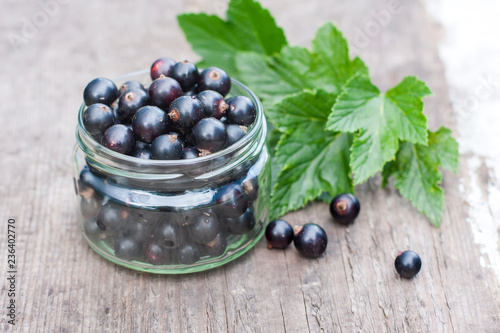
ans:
x=65 y=287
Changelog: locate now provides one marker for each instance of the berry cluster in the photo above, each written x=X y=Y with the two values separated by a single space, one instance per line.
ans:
x=166 y=236
x=311 y=240
x=181 y=115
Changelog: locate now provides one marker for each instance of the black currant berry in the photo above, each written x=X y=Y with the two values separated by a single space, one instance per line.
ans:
x=166 y=147
x=234 y=134
x=97 y=118
x=213 y=103
x=163 y=91
x=188 y=254
x=193 y=92
x=145 y=154
x=310 y=240
x=279 y=234
x=241 y=224
x=344 y=208
x=150 y=122
x=156 y=254
x=189 y=152
x=214 y=78
x=215 y=247
x=203 y=226
x=241 y=111
x=169 y=235
x=132 y=85
x=138 y=230
x=161 y=66
x=142 y=145
x=100 y=90
x=250 y=185
x=224 y=120
x=89 y=206
x=129 y=102
x=209 y=134
x=112 y=218
x=231 y=200
x=127 y=248
x=185 y=112
x=408 y=264
x=119 y=138
x=92 y=230
x=186 y=74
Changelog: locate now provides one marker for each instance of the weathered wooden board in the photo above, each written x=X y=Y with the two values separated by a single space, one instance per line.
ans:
x=62 y=286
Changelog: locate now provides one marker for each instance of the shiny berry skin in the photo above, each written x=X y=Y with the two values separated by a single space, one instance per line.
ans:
x=215 y=247
x=408 y=264
x=203 y=226
x=142 y=145
x=241 y=224
x=186 y=73
x=112 y=218
x=131 y=85
x=169 y=235
x=161 y=66
x=188 y=254
x=97 y=118
x=166 y=147
x=163 y=91
x=185 y=112
x=241 y=111
x=145 y=154
x=250 y=185
x=234 y=134
x=100 y=90
x=150 y=122
x=193 y=92
x=310 y=240
x=189 y=152
x=209 y=134
x=279 y=234
x=344 y=208
x=214 y=78
x=138 y=230
x=127 y=248
x=129 y=102
x=213 y=103
x=231 y=200
x=119 y=138
x=156 y=254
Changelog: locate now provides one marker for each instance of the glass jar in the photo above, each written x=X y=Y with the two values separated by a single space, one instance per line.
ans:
x=173 y=216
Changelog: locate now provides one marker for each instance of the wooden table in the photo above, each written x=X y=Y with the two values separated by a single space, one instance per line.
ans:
x=63 y=286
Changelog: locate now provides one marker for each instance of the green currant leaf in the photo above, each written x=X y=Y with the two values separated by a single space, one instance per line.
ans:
x=313 y=161
x=445 y=148
x=295 y=69
x=332 y=64
x=379 y=121
x=249 y=27
x=387 y=172
x=416 y=172
x=273 y=78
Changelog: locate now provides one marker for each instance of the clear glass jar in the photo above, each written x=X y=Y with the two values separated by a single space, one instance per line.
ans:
x=173 y=216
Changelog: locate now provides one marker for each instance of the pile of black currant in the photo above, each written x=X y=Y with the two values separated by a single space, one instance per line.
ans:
x=311 y=239
x=166 y=236
x=181 y=115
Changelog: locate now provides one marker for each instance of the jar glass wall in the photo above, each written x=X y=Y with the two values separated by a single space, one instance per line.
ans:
x=173 y=216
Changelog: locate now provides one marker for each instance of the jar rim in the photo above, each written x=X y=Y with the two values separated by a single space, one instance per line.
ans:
x=91 y=145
